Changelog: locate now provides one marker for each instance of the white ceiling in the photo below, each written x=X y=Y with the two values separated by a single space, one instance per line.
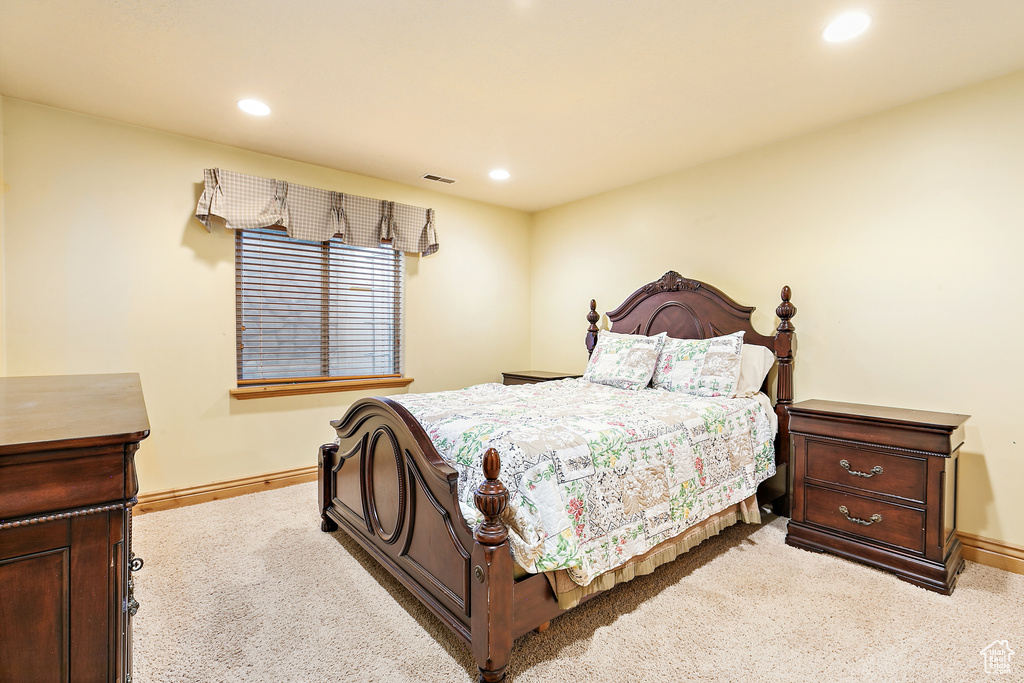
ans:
x=573 y=97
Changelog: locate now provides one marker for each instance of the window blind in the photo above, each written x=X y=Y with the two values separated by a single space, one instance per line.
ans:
x=315 y=311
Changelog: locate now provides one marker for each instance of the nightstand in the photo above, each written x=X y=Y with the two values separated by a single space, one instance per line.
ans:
x=534 y=376
x=879 y=486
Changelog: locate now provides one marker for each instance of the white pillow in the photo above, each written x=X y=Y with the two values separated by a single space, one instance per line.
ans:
x=755 y=363
x=702 y=367
x=625 y=361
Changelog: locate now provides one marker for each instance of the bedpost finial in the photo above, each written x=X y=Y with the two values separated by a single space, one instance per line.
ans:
x=492 y=464
x=491 y=499
x=786 y=310
x=592 y=330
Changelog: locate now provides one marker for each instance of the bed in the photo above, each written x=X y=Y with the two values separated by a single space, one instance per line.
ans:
x=385 y=482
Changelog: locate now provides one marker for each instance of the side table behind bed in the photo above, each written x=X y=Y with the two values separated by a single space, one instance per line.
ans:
x=534 y=376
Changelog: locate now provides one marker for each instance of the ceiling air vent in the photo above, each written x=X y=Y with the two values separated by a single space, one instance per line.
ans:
x=438 y=178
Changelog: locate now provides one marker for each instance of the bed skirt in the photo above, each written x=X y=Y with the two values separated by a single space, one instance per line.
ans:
x=569 y=593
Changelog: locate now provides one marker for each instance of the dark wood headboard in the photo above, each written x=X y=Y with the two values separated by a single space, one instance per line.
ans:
x=691 y=309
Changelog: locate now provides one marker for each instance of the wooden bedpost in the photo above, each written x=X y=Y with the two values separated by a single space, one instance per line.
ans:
x=785 y=349
x=491 y=611
x=592 y=330
x=327 y=453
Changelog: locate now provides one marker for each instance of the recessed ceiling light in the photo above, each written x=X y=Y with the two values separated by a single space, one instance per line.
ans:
x=500 y=174
x=254 y=107
x=846 y=26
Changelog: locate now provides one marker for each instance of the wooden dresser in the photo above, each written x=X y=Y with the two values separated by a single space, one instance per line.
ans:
x=878 y=485
x=533 y=376
x=67 y=484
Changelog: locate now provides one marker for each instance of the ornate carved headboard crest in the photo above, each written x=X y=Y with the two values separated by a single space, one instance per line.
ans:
x=671 y=282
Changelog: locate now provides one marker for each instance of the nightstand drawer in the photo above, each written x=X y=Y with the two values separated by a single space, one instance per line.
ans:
x=904 y=476
x=893 y=524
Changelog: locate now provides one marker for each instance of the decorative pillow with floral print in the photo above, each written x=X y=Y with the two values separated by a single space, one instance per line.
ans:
x=625 y=361
x=701 y=367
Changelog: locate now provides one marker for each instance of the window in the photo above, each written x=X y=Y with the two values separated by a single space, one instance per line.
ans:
x=319 y=315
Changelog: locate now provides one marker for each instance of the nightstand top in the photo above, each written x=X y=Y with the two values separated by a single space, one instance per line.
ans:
x=540 y=374
x=948 y=421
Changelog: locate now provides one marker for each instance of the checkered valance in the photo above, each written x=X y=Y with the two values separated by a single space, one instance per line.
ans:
x=246 y=202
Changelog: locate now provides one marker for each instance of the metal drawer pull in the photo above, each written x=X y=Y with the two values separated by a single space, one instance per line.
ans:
x=846 y=513
x=134 y=565
x=845 y=464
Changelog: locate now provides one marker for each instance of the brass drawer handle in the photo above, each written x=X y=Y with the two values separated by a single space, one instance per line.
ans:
x=846 y=513
x=134 y=565
x=845 y=464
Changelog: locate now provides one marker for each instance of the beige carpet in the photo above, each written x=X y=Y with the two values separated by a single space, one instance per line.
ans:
x=250 y=589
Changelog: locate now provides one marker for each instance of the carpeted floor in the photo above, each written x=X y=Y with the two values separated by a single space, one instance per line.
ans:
x=249 y=589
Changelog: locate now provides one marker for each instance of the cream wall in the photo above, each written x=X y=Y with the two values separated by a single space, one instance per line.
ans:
x=3 y=192
x=107 y=270
x=901 y=235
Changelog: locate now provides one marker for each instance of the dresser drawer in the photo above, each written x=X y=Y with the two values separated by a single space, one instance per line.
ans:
x=905 y=476
x=898 y=525
x=34 y=485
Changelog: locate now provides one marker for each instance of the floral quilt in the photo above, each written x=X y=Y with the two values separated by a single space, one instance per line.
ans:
x=598 y=475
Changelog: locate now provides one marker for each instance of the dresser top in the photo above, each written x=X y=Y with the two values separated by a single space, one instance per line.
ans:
x=947 y=421
x=70 y=410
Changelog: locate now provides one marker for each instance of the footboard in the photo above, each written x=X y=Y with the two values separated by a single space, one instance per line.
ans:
x=385 y=485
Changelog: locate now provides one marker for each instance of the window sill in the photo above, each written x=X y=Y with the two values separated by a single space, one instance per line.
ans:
x=245 y=393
